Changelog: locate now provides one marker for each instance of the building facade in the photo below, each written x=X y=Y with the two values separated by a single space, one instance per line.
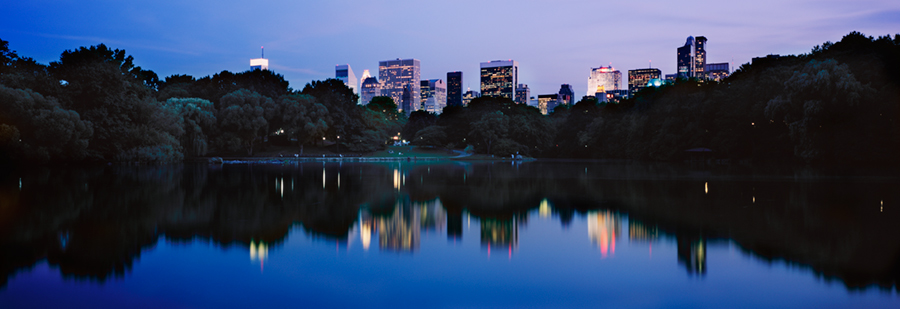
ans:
x=369 y=89
x=717 y=71
x=522 y=94
x=499 y=78
x=344 y=73
x=398 y=76
x=640 y=79
x=434 y=95
x=454 y=88
x=603 y=79
x=686 y=59
x=547 y=102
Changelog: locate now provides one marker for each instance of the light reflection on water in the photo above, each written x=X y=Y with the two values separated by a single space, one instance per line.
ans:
x=545 y=230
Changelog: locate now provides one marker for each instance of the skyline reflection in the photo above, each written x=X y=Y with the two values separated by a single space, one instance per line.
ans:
x=64 y=215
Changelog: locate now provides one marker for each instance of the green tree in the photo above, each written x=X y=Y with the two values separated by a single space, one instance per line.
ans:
x=196 y=117
x=34 y=127
x=303 y=118
x=242 y=114
x=490 y=128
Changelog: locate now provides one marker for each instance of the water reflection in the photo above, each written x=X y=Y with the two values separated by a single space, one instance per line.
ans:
x=95 y=222
x=603 y=229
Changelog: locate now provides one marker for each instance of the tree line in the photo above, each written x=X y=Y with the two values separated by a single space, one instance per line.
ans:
x=95 y=104
x=837 y=104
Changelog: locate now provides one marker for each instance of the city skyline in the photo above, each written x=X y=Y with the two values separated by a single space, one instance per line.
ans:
x=203 y=38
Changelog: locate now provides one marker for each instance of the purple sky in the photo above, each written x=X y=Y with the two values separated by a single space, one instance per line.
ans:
x=555 y=42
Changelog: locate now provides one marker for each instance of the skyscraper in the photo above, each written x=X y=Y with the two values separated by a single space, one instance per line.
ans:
x=499 y=78
x=603 y=79
x=369 y=89
x=434 y=95
x=522 y=94
x=344 y=73
x=640 y=78
x=686 y=59
x=454 y=88
x=700 y=57
x=260 y=63
x=396 y=75
x=565 y=95
x=692 y=58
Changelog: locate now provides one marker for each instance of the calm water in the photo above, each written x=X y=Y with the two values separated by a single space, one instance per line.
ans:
x=537 y=234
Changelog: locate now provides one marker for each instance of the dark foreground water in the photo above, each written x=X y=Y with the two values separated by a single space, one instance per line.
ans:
x=537 y=234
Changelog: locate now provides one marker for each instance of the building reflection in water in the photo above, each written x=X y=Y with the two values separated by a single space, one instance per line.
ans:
x=545 y=210
x=500 y=233
x=259 y=251
x=692 y=254
x=603 y=229
x=401 y=229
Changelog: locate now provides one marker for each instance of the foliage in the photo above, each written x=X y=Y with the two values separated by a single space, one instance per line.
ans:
x=303 y=118
x=196 y=117
x=34 y=127
x=242 y=114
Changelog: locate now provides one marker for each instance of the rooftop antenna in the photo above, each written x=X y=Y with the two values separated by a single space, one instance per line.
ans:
x=651 y=64
x=263 y=48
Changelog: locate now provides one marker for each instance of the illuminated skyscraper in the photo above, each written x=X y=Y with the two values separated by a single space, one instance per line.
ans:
x=700 y=57
x=260 y=63
x=640 y=79
x=692 y=58
x=369 y=89
x=434 y=95
x=398 y=74
x=566 y=95
x=499 y=78
x=603 y=79
x=522 y=94
x=454 y=88
x=344 y=73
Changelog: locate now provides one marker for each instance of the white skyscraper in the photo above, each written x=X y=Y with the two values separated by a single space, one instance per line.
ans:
x=344 y=73
x=260 y=63
x=603 y=79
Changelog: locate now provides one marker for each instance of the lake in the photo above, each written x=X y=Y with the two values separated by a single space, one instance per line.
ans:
x=449 y=234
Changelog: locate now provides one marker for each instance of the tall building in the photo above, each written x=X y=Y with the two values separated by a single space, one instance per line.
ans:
x=260 y=63
x=397 y=75
x=565 y=95
x=454 y=89
x=468 y=96
x=344 y=73
x=603 y=79
x=369 y=89
x=692 y=58
x=640 y=79
x=434 y=95
x=499 y=78
x=522 y=94
x=717 y=71
x=686 y=59
x=700 y=57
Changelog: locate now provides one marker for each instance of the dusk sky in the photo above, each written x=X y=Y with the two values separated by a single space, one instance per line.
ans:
x=555 y=42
